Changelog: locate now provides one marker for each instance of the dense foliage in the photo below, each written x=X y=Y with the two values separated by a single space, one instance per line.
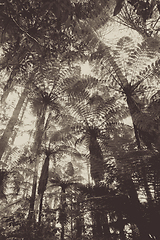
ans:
x=79 y=154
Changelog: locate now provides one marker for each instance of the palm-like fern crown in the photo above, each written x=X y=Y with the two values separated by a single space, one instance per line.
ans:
x=129 y=18
x=95 y=120
x=49 y=85
x=141 y=16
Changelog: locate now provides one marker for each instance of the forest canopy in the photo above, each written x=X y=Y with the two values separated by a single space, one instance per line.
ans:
x=79 y=151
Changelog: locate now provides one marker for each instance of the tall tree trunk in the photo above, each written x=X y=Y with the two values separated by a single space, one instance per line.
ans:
x=63 y=211
x=12 y=122
x=62 y=231
x=71 y=204
x=96 y=158
x=79 y=221
x=93 y=223
x=40 y=207
x=43 y=183
x=8 y=152
x=8 y=86
x=36 y=151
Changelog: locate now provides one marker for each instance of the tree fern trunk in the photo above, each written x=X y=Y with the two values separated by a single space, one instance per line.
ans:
x=63 y=212
x=79 y=220
x=43 y=183
x=71 y=204
x=96 y=158
x=36 y=150
x=40 y=207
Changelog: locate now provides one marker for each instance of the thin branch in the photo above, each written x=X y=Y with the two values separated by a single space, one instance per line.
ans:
x=156 y=22
x=34 y=39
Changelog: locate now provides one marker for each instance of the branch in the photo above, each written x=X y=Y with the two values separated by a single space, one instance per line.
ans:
x=34 y=39
x=156 y=22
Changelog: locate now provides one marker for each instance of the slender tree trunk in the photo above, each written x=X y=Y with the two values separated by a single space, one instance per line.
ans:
x=137 y=136
x=71 y=202
x=62 y=231
x=15 y=133
x=79 y=221
x=8 y=86
x=36 y=151
x=5 y=95
x=40 y=207
x=43 y=183
x=12 y=122
x=93 y=224
x=63 y=211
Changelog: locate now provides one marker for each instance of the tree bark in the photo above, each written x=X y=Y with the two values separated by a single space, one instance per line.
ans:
x=8 y=86
x=40 y=207
x=12 y=122
x=79 y=221
x=8 y=152
x=36 y=151
x=43 y=183
x=63 y=212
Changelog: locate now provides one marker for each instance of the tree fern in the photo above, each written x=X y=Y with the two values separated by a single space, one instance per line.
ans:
x=129 y=18
x=97 y=120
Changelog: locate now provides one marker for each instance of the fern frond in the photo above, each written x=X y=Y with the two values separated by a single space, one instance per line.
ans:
x=64 y=135
x=129 y=18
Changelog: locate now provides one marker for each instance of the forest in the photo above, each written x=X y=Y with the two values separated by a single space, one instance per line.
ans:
x=79 y=151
